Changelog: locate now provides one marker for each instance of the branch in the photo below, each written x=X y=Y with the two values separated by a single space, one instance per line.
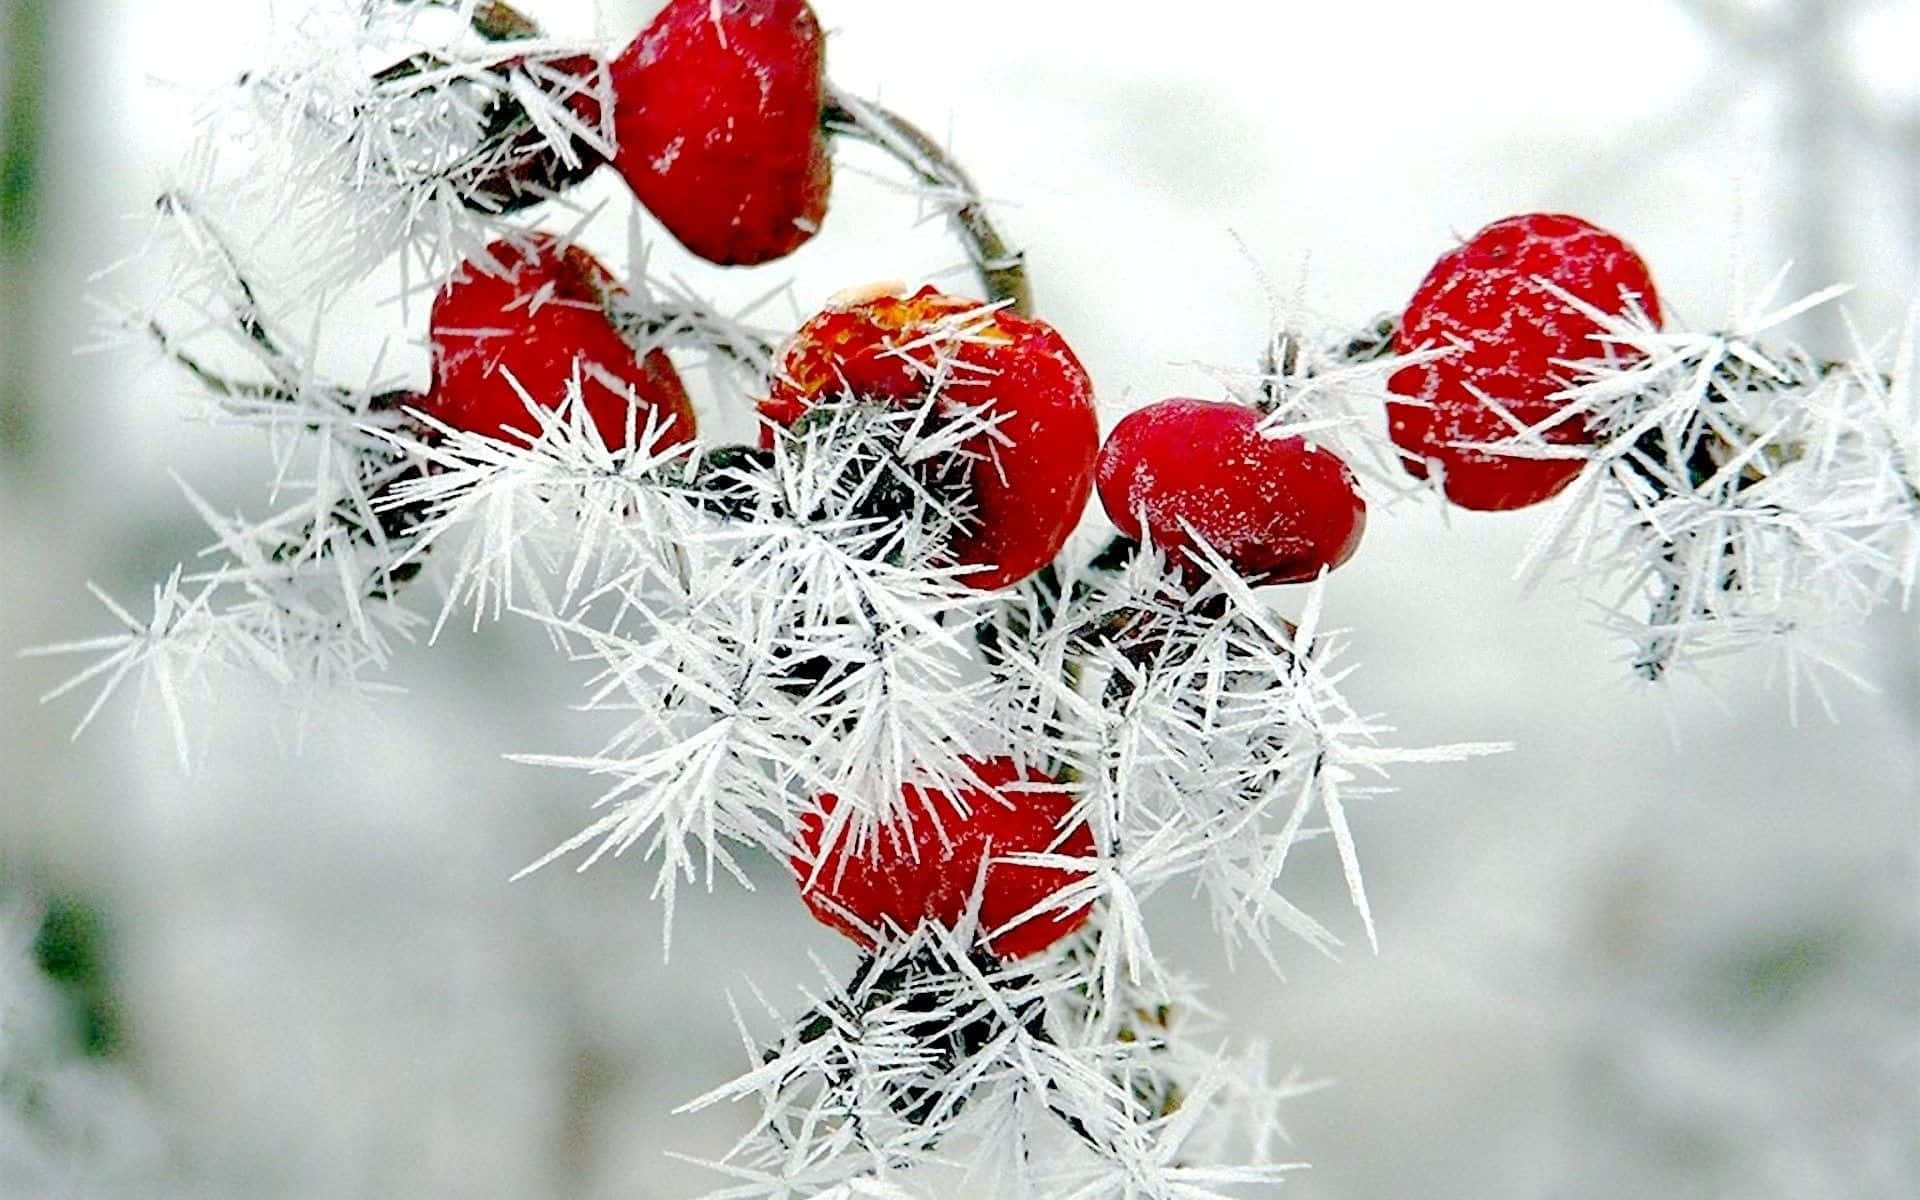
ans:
x=246 y=309
x=1002 y=269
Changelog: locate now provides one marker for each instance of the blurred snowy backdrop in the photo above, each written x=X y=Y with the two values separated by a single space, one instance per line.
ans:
x=1669 y=947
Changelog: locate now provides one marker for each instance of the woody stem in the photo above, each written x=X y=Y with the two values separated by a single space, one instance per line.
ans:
x=1002 y=268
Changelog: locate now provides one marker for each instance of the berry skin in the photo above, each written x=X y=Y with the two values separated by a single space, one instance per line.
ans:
x=1029 y=482
x=1277 y=509
x=1483 y=294
x=925 y=866
x=717 y=124
x=535 y=322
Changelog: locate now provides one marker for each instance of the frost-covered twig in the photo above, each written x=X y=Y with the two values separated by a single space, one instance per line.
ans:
x=1738 y=492
x=307 y=594
x=375 y=130
x=932 y=1066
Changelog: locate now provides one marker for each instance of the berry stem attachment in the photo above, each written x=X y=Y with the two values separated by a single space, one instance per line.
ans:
x=1373 y=343
x=1002 y=268
x=511 y=170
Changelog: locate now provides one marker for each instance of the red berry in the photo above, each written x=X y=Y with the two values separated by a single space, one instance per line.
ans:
x=1029 y=481
x=1484 y=295
x=924 y=867
x=538 y=317
x=1279 y=510
x=717 y=123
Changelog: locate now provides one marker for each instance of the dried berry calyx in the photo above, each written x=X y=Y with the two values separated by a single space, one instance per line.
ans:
x=1277 y=509
x=1027 y=479
x=1507 y=335
x=925 y=865
x=717 y=121
x=530 y=320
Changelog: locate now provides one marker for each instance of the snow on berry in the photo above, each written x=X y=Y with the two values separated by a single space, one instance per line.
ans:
x=717 y=120
x=927 y=864
x=1510 y=335
x=1278 y=509
x=526 y=322
x=1029 y=477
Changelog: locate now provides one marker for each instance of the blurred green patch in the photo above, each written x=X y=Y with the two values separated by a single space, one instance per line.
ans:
x=23 y=33
x=20 y=138
x=1765 y=980
x=72 y=949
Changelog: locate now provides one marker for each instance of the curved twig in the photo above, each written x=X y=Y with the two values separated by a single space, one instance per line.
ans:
x=246 y=305
x=1002 y=268
x=369 y=522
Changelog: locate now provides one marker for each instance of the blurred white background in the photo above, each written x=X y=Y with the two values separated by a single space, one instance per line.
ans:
x=1669 y=947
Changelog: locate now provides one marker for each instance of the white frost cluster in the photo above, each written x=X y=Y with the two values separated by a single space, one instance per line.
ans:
x=759 y=623
x=936 y=1072
x=1740 y=492
x=305 y=594
x=380 y=129
x=774 y=626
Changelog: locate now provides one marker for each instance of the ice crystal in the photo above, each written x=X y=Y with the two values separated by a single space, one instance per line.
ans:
x=376 y=130
x=306 y=594
x=1739 y=491
x=935 y=1064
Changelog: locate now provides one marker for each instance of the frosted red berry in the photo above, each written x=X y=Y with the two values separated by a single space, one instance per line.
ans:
x=924 y=867
x=534 y=316
x=1484 y=296
x=1029 y=482
x=717 y=125
x=1278 y=509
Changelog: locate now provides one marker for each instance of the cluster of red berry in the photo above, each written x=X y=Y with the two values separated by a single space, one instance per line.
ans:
x=717 y=114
